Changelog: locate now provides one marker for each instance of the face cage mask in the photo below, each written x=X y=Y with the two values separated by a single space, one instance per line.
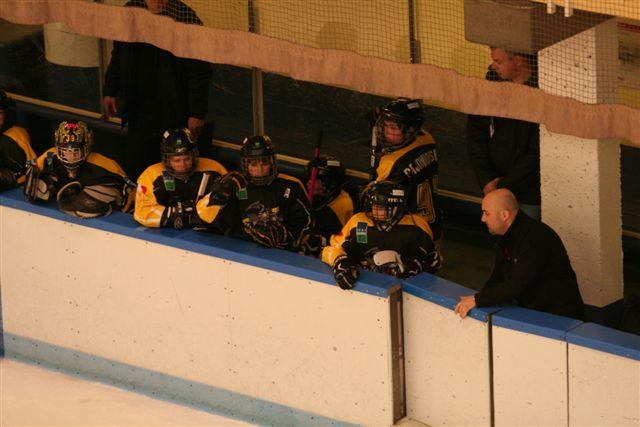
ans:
x=181 y=175
x=73 y=157
x=393 y=216
x=408 y=135
x=260 y=180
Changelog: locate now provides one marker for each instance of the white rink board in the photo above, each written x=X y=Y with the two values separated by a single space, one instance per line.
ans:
x=242 y=329
x=604 y=389
x=447 y=365
x=530 y=379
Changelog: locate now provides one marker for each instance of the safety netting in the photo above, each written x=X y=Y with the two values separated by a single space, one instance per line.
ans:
x=582 y=56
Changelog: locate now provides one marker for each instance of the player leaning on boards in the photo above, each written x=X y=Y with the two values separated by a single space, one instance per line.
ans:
x=258 y=204
x=383 y=238
x=85 y=184
x=169 y=190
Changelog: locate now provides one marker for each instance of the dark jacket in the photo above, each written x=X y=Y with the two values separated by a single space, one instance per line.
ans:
x=532 y=269
x=156 y=88
x=507 y=148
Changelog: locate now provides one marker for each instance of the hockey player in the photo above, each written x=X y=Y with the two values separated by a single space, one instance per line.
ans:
x=85 y=184
x=332 y=205
x=15 y=147
x=405 y=153
x=168 y=191
x=383 y=238
x=258 y=204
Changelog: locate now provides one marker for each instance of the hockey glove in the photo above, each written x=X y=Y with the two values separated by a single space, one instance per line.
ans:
x=38 y=186
x=313 y=245
x=345 y=272
x=179 y=216
x=226 y=187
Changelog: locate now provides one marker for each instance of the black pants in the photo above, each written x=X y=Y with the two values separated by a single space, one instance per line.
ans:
x=141 y=150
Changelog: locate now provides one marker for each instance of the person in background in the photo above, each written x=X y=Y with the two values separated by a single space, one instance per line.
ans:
x=332 y=205
x=505 y=153
x=154 y=90
x=406 y=153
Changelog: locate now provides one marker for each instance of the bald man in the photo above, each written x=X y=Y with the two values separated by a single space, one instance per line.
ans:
x=532 y=268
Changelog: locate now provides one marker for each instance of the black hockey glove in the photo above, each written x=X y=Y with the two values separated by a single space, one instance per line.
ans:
x=412 y=267
x=38 y=186
x=345 y=272
x=226 y=187
x=313 y=245
x=179 y=216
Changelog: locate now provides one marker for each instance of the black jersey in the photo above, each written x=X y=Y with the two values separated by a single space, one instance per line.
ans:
x=15 y=150
x=283 y=201
x=415 y=166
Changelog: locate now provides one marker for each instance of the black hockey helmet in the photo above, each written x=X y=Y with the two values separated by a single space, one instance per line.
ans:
x=258 y=148
x=407 y=114
x=179 y=142
x=332 y=174
x=73 y=141
x=388 y=195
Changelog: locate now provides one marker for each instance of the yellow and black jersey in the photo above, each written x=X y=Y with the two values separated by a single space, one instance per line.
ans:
x=360 y=240
x=416 y=166
x=96 y=170
x=331 y=217
x=158 y=190
x=15 y=151
x=283 y=201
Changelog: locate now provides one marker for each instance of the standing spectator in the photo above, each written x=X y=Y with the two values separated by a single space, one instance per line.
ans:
x=532 y=268
x=505 y=153
x=15 y=148
x=155 y=89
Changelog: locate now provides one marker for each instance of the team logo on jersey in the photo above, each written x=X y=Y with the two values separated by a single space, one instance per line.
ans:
x=361 y=232
x=241 y=194
x=169 y=181
x=142 y=189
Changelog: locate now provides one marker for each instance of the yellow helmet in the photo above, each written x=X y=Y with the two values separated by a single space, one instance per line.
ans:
x=73 y=140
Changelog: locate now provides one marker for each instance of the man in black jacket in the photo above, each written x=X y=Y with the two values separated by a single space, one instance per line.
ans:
x=156 y=90
x=532 y=268
x=505 y=153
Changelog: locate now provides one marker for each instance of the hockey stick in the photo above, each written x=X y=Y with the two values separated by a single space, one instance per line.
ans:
x=314 y=170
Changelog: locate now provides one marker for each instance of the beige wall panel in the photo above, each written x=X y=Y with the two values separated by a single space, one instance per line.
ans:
x=256 y=332
x=225 y=14
x=376 y=28
x=447 y=366
x=604 y=389
x=440 y=29
x=529 y=379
